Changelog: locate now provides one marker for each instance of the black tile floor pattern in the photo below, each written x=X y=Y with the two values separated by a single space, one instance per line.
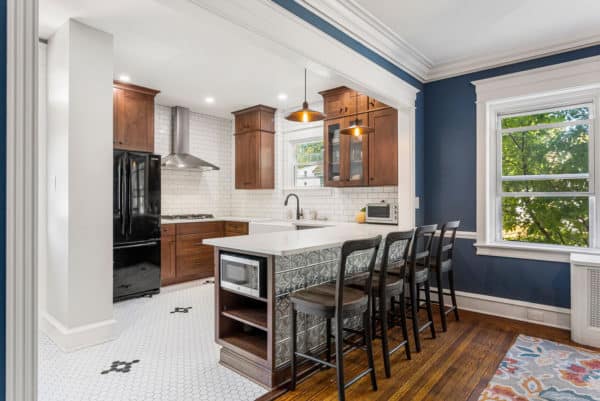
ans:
x=120 y=367
x=179 y=309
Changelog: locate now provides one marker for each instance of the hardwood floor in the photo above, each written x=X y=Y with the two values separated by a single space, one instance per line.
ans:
x=456 y=366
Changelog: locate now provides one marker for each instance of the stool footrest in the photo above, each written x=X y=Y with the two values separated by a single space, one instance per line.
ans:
x=314 y=359
x=357 y=378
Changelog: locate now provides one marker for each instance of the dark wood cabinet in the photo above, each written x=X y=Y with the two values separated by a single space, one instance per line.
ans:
x=167 y=254
x=255 y=148
x=183 y=255
x=383 y=147
x=369 y=160
x=133 y=117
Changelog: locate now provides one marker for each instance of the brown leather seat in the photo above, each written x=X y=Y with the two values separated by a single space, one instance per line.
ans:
x=320 y=300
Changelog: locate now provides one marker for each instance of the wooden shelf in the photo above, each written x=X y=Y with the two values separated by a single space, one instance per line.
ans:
x=252 y=343
x=254 y=317
x=244 y=295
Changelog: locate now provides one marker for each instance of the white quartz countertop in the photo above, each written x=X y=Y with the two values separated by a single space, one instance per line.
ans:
x=297 y=241
x=224 y=218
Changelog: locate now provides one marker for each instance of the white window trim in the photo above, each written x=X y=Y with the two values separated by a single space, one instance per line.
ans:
x=566 y=83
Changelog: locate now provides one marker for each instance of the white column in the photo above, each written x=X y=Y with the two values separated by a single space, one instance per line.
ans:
x=80 y=124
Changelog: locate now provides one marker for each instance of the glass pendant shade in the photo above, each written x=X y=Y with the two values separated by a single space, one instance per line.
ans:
x=305 y=115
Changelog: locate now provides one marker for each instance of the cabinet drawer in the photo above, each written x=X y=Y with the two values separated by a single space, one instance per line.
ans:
x=196 y=266
x=200 y=228
x=236 y=228
x=167 y=230
x=190 y=244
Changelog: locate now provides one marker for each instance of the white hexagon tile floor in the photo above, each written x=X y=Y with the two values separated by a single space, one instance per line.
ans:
x=176 y=353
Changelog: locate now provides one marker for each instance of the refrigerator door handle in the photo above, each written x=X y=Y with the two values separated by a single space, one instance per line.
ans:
x=129 y=176
x=122 y=179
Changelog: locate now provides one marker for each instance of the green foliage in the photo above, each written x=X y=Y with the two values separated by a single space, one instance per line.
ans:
x=563 y=150
x=310 y=152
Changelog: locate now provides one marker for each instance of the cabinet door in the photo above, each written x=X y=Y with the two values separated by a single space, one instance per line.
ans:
x=134 y=120
x=355 y=155
x=383 y=147
x=266 y=162
x=376 y=104
x=337 y=104
x=246 y=160
x=354 y=100
x=332 y=142
x=167 y=260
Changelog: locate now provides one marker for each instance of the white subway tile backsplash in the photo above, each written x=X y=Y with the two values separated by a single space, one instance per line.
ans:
x=213 y=192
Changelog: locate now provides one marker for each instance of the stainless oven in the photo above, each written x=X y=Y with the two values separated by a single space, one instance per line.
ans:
x=244 y=274
x=382 y=213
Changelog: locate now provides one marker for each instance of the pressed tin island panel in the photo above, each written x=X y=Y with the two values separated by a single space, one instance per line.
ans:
x=305 y=270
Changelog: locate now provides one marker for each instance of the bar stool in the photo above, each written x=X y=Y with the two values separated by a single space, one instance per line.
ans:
x=442 y=263
x=417 y=276
x=386 y=287
x=338 y=301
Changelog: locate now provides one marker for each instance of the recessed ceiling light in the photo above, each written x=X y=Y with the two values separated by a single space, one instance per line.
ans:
x=209 y=99
x=282 y=96
x=124 y=78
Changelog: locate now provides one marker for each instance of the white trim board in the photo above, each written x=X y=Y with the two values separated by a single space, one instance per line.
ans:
x=360 y=24
x=72 y=339
x=545 y=315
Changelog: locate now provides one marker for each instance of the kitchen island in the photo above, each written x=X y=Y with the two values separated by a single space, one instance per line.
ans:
x=254 y=328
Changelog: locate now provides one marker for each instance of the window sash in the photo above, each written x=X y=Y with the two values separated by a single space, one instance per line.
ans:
x=590 y=175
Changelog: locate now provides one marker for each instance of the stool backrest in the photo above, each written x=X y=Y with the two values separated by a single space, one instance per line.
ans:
x=445 y=248
x=420 y=252
x=349 y=248
x=388 y=262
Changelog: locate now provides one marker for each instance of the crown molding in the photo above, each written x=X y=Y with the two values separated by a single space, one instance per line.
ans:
x=358 y=23
x=462 y=67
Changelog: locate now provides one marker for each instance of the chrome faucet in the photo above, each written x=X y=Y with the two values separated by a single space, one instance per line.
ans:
x=298 y=211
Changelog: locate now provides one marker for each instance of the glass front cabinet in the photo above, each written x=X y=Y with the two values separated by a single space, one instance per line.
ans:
x=346 y=156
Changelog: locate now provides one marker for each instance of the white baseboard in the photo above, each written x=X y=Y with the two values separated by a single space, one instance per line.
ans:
x=71 y=339
x=545 y=315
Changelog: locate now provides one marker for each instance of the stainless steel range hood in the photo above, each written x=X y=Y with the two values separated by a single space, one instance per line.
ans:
x=180 y=157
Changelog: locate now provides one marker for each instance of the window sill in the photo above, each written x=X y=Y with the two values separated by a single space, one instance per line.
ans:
x=532 y=252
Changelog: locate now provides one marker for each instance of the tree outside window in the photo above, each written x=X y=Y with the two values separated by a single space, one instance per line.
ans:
x=308 y=169
x=544 y=188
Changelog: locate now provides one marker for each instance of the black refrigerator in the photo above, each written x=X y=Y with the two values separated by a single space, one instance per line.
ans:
x=136 y=224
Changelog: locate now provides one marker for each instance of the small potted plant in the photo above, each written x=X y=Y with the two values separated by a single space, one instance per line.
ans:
x=361 y=216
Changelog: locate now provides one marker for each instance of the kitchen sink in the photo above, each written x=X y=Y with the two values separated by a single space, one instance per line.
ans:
x=307 y=227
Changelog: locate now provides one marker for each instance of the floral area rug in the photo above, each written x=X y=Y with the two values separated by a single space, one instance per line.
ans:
x=536 y=369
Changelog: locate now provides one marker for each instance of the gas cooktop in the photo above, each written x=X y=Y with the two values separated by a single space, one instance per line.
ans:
x=188 y=216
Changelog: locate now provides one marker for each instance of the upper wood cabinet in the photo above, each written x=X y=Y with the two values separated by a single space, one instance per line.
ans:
x=133 y=117
x=383 y=147
x=370 y=160
x=255 y=148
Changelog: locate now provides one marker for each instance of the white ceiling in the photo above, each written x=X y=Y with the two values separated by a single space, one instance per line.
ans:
x=467 y=33
x=189 y=54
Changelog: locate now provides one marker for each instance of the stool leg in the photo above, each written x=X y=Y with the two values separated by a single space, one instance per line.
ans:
x=404 y=326
x=339 y=355
x=429 y=310
x=415 y=314
x=369 y=341
x=440 y=286
x=453 y=293
x=384 y=334
x=328 y=334
x=293 y=340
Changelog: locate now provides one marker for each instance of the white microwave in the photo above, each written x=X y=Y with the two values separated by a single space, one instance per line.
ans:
x=243 y=274
x=382 y=213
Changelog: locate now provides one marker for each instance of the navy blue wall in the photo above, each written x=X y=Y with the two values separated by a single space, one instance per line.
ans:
x=450 y=188
x=2 y=200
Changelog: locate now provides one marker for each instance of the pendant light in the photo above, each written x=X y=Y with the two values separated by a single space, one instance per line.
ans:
x=305 y=114
x=356 y=128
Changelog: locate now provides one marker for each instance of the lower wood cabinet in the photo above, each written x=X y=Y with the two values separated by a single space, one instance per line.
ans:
x=183 y=255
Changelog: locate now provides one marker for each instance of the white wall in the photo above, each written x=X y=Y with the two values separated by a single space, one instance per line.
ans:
x=79 y=279
x=211 y=138
x=42 y=180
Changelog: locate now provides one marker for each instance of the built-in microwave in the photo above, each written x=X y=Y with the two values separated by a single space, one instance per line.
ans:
x=244 y=274
x=382 y=213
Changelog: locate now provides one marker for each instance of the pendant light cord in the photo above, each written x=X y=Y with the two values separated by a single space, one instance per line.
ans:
x=305 y=84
